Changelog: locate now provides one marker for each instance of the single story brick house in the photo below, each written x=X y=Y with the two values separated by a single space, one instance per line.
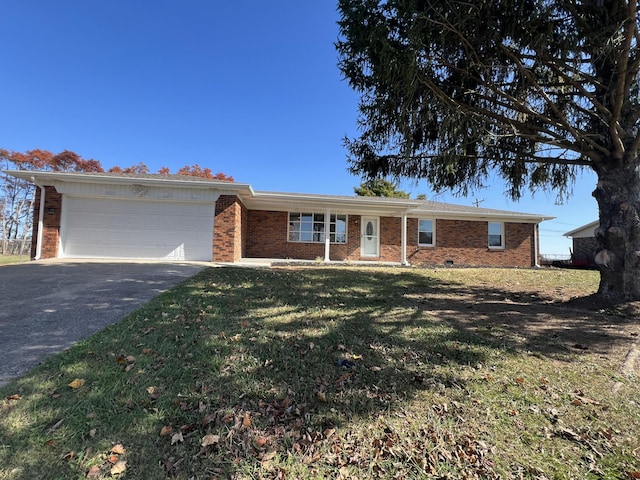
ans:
x=171 y=217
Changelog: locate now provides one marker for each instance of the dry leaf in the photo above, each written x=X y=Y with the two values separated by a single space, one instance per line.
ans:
x=343 y=378
x=93 y=472
x=261 y=442
x=268 y=456
x=210 y=440
x=118 y=449
x=13 y=397
x=92 y=432
x=321 y=396
x=246 y=420
x=177 y=437
x=119 y=468
x=166 y=430
x=55 y=426
x=147 y=351
x=584 y=399
x=77 y=383
x=519 y=380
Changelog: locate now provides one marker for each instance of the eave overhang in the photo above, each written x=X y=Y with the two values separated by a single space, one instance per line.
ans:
x=157 y=180
x=282 y=201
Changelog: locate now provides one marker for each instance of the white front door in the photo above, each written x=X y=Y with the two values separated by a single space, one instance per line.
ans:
x=370 y=243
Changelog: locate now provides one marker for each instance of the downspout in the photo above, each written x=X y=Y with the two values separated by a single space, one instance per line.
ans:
x=403 y=240
x=327 y=235
x=40 y=219
x=536 y=246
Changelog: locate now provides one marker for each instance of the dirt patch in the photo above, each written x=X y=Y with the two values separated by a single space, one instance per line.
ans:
x=550 y=320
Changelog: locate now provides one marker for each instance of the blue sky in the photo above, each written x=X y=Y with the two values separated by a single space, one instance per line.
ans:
x=251 y=89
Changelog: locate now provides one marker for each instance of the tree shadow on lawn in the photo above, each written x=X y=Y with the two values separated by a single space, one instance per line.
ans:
x=250 y=357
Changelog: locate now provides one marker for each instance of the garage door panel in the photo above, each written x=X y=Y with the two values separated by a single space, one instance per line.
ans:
x=113 y=228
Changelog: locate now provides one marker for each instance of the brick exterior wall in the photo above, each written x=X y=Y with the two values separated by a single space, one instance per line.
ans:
x=463 y=242
x=51 y=223
x=239 y=233
x=229 y=227
x=585 y=249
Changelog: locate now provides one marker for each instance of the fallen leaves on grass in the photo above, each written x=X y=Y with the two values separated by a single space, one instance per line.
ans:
x=118 y=449
x=177 y=438
x=77 y=383
x=119 y=468
x=210 y=439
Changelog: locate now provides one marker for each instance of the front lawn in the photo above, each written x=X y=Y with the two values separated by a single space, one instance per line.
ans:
x=236 y=373
x=9 y=259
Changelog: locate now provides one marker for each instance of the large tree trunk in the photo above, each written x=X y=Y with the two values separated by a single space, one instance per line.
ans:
x=618 y=256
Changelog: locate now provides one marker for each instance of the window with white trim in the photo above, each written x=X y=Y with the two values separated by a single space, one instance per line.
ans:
x=496 y=235
x=426 y=233
x=310 y=227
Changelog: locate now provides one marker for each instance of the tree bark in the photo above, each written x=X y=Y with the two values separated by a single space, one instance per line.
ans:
x=618 y=236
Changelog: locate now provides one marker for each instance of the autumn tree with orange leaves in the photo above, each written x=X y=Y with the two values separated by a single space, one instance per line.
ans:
x=17 y=195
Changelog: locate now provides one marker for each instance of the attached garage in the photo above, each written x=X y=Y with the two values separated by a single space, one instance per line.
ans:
x=136 y=229
x=130 y=216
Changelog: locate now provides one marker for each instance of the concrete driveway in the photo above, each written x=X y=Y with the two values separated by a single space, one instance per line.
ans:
x=47 y=306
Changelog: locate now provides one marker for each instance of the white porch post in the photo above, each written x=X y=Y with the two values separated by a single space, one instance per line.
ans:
x=327 y=234
x=43 y=192
x=403 y=236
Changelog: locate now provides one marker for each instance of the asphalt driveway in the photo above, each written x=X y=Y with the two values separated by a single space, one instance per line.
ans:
x=46 y=306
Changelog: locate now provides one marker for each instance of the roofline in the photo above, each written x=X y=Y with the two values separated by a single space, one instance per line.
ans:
x=284 y=201
x=583 y=227
x=82 y=177
x=504 y=215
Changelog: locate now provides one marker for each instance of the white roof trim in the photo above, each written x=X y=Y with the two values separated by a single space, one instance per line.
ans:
x=588 y=226
x=155 y=180
x=282 y=201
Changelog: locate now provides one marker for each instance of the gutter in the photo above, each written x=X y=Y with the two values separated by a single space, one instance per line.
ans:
x=536 y=246
x=40 y=219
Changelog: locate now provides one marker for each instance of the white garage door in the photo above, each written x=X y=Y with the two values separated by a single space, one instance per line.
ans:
x=110 y=228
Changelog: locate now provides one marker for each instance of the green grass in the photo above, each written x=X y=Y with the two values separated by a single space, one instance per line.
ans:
x=8 y=259
x=459 y=373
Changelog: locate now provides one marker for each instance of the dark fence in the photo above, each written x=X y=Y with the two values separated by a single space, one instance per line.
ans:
x=15 y=247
